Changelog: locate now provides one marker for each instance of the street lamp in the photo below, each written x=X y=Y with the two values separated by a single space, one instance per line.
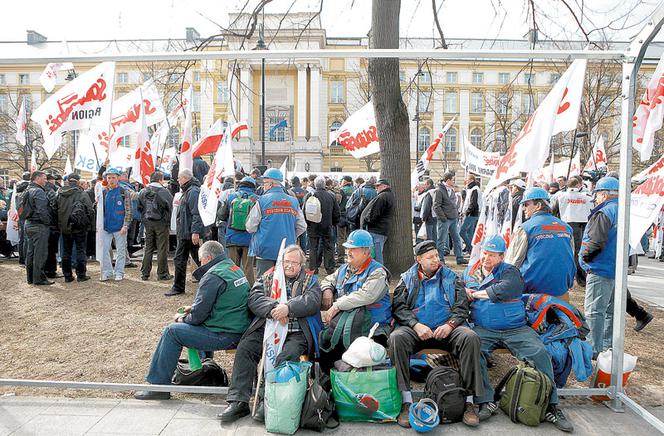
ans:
x=260 y=45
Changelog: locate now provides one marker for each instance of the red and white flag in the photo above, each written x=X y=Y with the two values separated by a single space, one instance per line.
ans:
x=423 y=163
x=186 y=157
x=143 y=159
x=50 y=74
x=597 y=160
x=476 y=161
x=209 y=143
x=33 y=160
x=646 y=202
x=649 y=114
x=564 y=168
x=275 y=332
x=652 y=169
x=83 y=104
x=222 y=166
x=358 y=134
x=558 y=112
x=12 y=221
x=21 y=126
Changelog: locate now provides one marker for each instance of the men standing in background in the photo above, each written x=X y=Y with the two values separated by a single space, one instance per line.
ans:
x=156 y=204
x=37 y=218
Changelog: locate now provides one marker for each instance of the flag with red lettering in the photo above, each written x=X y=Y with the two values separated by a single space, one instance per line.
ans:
x=49 y=76
x=209 y=143
x=597 y=159
x=275 y=332
x=423 y=163
x=143 y=159
x=186 y=157
x=646 y=202
x=556 y=113
x=85 y=103
x=656 y=166
x=476 y=161
x=649 y=114
x=358 y=134
x=21 y=126
x=222 y=166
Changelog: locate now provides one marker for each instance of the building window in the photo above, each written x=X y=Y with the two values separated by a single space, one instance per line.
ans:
x=336 y=169
x=23 y=79
x=74 y=138
x=402 y=76
x=222 y=92
x=502 y=103
x=197 y=76
x=27 y=102
x=337 y=91
x=476 y=137
x=196 y=106
x=553 y=78
x=451 y=139
x=3 y=79
x=425 y=77
x=528 y=103
x=333 y=128
x=278 y=134
x=423 y=104
x=500 y=141
x=173 y=137
x=423 y=139
x=3 y=103
x=478 y=77
x=4 y=173
x=451 y=77
x=123 y=77
x=503 y=78
x=476 y=103
x=529 y=78
x=450 y=102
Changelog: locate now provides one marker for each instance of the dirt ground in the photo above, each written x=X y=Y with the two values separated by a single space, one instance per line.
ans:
x=106 y=332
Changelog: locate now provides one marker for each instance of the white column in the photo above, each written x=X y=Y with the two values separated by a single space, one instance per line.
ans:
x=314 y=104
x=301 y=101
x=464 y=114
x=246 y=98
x=207 y=95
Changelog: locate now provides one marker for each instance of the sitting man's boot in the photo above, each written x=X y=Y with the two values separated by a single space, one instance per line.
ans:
x=403 y=420
x=555 y=416
x=152 y=395
x=234 y=411
x=487 y=410
x=470 y=417
x=259 y=416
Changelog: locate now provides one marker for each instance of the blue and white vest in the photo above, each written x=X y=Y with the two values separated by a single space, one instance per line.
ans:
x=114 y=210
x=381 y=310
x=604 y=264
x=278 y=217
x=434 y=297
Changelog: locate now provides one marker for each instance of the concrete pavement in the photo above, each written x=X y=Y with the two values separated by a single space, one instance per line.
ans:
x=647 y=284
x=89 y=416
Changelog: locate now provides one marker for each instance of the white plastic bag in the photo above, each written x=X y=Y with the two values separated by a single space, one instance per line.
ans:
x=422 y=233
x=364 y=351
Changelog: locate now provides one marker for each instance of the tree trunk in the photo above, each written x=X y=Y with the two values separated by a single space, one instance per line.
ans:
x=393 y=131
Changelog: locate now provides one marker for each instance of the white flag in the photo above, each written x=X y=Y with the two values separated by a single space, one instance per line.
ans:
x=89 y=156
x=275 y=332
x=423 y=163
x=597 y=159
x=562 y=168
x=33 y=160
x=186 y=158
x=222 y=166
x=12 y=221
x=68 y=168
x=649 y=114
x=646 y=202
x=283 y=168
x=50 y=74
x=21 y=126
x=85 y=103
x=143 y=159
x=358 y=134
x=476 y=161
x=99 y=223
x=652 y=169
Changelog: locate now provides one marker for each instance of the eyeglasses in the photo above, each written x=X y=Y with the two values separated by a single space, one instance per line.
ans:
x=291 y=263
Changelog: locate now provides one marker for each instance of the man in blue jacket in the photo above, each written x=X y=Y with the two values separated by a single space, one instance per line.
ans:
x=117 y=219
x=495 y=289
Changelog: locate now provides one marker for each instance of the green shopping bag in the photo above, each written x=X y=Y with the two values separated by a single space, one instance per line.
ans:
x=284 y=399
x=366 y=396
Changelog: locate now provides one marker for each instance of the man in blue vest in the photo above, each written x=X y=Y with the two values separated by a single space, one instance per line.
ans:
x=543 y=248
x=117 y=219
x=361 y=283
x=431 y=308
x=275 y=216
x=495 y=289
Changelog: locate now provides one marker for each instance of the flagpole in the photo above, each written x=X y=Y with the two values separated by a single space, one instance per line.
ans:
x=261 y=366
x=571 y=157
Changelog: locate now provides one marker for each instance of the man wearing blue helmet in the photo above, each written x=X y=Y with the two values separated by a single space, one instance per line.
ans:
x=543 y=248
x=494 y=289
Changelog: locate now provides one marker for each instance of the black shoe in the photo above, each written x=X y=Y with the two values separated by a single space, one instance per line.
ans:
x=152 y=395
x=130 y=265
x=487 y=410
x=165 y=278
x=145 y=278
x=173 y=292
x=259 y=416
x=69 y=279
x=462 y=262
x=54 y=276
x=234 y=411
x=46 y=283
x=641 y=323
x=83 y=278
x=555 y=416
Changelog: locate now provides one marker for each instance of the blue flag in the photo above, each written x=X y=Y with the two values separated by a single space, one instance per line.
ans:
x=279 y=125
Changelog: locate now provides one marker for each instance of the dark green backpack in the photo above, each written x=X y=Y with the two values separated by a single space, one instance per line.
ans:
x=240 y=208
x=523 y=394
x=345 y=327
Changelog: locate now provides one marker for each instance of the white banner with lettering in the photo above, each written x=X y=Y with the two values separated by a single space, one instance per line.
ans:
x=647 y=201
x=476 y=161
x=358 y=134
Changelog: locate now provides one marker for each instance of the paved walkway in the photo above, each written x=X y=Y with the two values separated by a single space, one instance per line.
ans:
x=88 y=416
x=647 y=283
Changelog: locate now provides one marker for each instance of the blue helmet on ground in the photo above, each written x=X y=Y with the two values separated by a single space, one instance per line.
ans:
x=359 y=239
x=607 y=184
x=423 y=415
x=535 y=194
x=495 y=244
x=274 y=174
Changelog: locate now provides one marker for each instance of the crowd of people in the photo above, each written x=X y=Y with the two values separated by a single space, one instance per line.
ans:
x=566 y=233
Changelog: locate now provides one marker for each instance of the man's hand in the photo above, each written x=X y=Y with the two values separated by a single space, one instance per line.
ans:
x=469 y=294
x=331 y=313
x=443 y=331
x=326 y=302
x=423 y=332
x=177 y=317
x=195 y=238
x=186 y=310
x=280 y=313
x=123 y=230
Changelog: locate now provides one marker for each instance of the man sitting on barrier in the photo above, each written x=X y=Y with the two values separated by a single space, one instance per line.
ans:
x=301 y=313
x=495 y=289
x=215 y=321
x=357 y=291
x=431 y=308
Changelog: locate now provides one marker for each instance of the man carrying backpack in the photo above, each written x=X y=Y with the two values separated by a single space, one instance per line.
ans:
x=431 y=308
x=117 y=219
x=75 y=213
x=358 y=201
x=155 y=204
x=37 y=218
x=376 y=218
x=321 y=212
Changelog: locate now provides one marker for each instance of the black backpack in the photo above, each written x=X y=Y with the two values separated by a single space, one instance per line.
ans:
x=24 y=205
x=319 y=409
x=152 y=210
x=443 y=386
x=79 y=218
x=355 y=206
x=211 y=374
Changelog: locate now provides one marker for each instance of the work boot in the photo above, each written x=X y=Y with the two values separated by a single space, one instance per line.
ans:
x=69 y=279
x=462 y=262
x=555 y=416
x=470 y=417
x=152 y=395
x=83 y=278
x=487 y=410
x=234 y=411
x=403 y=420
x=173 y=292
x=643 y=322
x=259 y=416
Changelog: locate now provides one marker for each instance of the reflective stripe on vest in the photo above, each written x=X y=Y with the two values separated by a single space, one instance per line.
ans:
x=604 y=264
x=381 y=310
x=278 y=217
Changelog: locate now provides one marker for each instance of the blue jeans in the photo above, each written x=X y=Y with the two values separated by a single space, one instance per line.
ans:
x=121 y=250
x=523 y=343
x=379 y=243
x=178 y=335
x=467 y=230
x=599 y=311
x=432 y=231
x=444 y=229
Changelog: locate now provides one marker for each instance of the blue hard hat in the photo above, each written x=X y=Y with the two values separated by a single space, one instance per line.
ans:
x=359 y=239
x=249 y=180
x=423 y=415
x=495 y=244
x=535 y=194
x=115 y=171
x=607 y=184
x=274 y=174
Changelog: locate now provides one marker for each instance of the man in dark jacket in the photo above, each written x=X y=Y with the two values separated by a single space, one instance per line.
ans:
x=188 y=231
x=216 y=320
x=75 y=214
x=320 y=233
x=302 y=315
x=357 y=202
x=517 y=187
x=426 y=210
x=343 y=228
x=155 y=203
x=377 y=217
x=200 y=168
x=431 y=308
x=51 y=265
x=471 y=211
x=445 y=208
x=21 y=188
x=37 y=222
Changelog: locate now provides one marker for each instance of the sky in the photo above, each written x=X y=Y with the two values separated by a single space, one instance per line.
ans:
x=134 y=19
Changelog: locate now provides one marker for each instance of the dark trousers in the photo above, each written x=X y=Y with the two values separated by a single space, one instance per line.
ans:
x=21 y=242
x=239 y=254
x=79 y=240
x=463 y=343
x=342 y=235
x=51 y=266
x=156 y=237
x=249 y=353
x=36 y=239
x=324 y=244
x=184 y=248
x=577 y=233
x=634 y=309
x=263 y=265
